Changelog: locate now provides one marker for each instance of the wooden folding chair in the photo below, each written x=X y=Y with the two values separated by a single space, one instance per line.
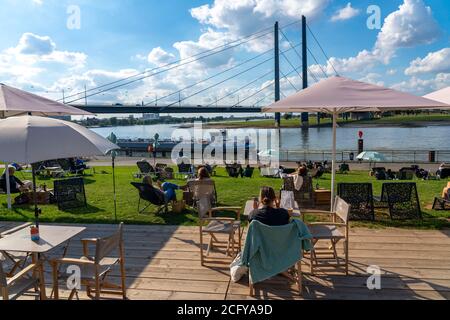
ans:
x=95 y=269
x=333 y=231
x=221 y=226
x=14 y=286
x=12 y=261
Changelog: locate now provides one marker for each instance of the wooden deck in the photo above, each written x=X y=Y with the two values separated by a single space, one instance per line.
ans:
x=163 y=262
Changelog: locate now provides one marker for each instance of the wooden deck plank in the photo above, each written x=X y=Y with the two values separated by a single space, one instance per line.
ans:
x=162 y=262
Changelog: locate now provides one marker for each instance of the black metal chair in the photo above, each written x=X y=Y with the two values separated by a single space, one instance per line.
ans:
x=304 y=196
x=444 y=173
x=360 y=198
x=406 y=174
x=233 y=170
x=248 y=172
x=70 y=193
x=403 y=200
x=152 y=196
x=441 y=204
x=185 y=170
x=145 y=169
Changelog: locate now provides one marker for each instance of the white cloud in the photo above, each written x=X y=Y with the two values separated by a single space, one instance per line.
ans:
x=35 y=62
x=411 y=25
x=160 y=57
x=420 y=86
x=391 y=72
x=33 y=49
x=242 y=17
x=345 y=13
x=434 y=62
x=30 y=43
x=373 y=78
x=38 y=2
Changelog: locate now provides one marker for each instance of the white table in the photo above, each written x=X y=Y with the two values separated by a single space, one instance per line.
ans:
x=50 y=238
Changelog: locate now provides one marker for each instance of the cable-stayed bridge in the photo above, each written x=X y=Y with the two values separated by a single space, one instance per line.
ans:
x=275 y=70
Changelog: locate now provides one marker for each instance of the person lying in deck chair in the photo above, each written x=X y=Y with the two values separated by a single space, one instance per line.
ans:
x=169 y=189
x=16 y=185
x=269 y=214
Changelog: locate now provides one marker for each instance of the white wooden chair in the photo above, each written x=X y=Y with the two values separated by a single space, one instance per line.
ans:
x=334 y=231
x=95 y=269
x=214 y=226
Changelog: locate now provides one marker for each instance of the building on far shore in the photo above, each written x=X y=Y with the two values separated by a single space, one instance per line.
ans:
x=150 y=116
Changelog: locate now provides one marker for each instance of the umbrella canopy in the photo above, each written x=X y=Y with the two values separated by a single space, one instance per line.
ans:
x=15 y=102
x=442 y=95
x=339 y=94
x=30 y=139
x=371 y=156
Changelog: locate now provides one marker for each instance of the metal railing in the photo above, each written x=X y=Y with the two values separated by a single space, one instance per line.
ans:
x=393 y=156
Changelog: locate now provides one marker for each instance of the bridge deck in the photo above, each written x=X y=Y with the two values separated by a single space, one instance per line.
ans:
x=162 y=262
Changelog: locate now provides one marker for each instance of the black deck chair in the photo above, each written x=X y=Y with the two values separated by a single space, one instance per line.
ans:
x=248 y=172
x=403 y=200
x=441 y=204
x=145 y=169
x=406 y=173
x=152 y=196
x=232 y=171
x=360 y=198
x=185 y=169
x=444 y=173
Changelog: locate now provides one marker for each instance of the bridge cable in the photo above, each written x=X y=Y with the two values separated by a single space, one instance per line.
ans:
x=223 y=81
x=260 y=90
x=219 y=83
x=209 y=78
x=241 y=88
x=226 y=47
x=300 y=56
x=323 y=51
x=287 y=79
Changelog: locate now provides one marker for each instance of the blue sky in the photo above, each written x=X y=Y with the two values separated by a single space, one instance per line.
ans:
x=119 y=38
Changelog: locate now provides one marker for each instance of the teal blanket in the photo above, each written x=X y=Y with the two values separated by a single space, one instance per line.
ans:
x=269 y=250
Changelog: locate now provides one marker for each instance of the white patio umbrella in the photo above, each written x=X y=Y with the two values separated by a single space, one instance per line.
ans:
x=337 y=95
x=31 y=139
x=442 y=95
x=14 y=102
x=371 y=156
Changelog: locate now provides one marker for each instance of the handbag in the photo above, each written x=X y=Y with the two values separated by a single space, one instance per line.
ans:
x=178 y=206
x=22 y=199
x=237 y=270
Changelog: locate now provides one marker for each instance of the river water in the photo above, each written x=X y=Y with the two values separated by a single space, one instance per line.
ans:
x=315 y=139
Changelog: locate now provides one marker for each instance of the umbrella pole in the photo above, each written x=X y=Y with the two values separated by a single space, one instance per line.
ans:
x=333 y=164
x=114 y=188
x=8 y=186
x=36 y=209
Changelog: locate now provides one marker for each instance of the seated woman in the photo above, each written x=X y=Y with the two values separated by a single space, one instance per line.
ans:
x=203 y=174
x=15 y=184
x=299 y=176
x=169 y=189
x=269 y=214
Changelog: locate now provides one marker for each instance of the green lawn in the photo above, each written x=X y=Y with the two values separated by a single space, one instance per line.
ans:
x=231 y=192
